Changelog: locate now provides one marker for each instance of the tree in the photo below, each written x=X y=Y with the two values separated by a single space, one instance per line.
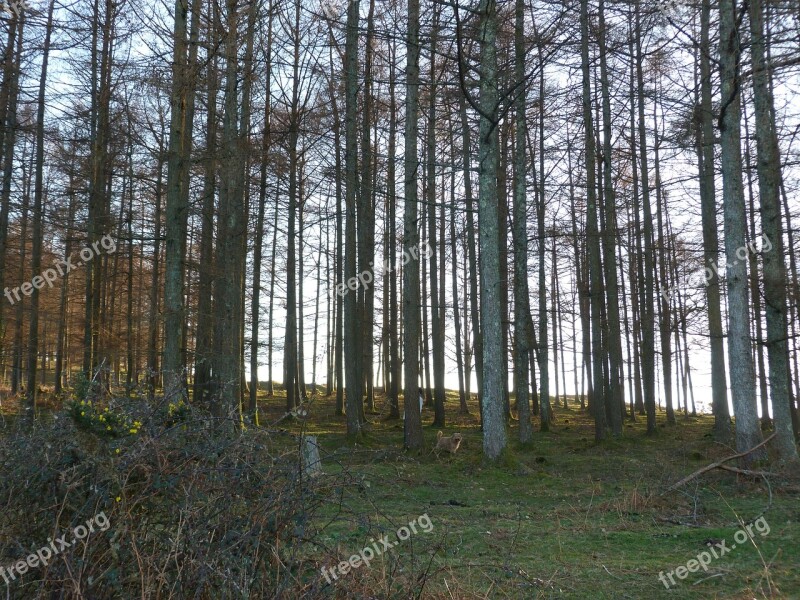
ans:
x=748 y=432
x=646 y=300
x=226 y=364
x=412 y=433
x=259 y=239
x=291 y=360
x=592 y=238
x=492 y=411
x=204 y=334
x=352 y=337
x=437 y=321
x=769 y=184
x=520 y=234
x=177 y=200
x=615 y=398
x=705 y=156
x=38 y=217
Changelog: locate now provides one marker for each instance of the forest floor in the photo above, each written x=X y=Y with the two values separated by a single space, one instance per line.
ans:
x=561 y=518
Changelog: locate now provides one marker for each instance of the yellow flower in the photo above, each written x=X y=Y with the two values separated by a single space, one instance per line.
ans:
x=83 y=414
x=133 y=430
x=108 y=428
x=117 y=450
x=118 y=498
x=137 y=424
x=83 y=403
x=102 y=418
x=106 y=409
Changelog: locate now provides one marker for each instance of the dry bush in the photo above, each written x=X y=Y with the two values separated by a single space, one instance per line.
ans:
x=195 y=511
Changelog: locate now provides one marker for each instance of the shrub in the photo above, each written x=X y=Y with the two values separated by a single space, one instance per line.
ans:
x=103 y=422
x=81 y=386
x=177 y=412
x=194 y=511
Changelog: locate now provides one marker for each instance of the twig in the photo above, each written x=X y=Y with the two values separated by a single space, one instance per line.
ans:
x=745 y=471
x=715 y=465
x=610 y=573
x=707 y=578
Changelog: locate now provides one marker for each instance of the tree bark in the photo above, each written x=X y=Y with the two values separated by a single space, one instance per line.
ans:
x=769 y=183
x=412 y=433
x=592 y=238
x=492 y=411
x=38 y=217
x=719 y=386
x=352 y=338
x=520 y=235
x=748 y=432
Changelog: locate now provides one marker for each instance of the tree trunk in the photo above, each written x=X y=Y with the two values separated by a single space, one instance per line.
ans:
x=719 y=386
x=204 y=332
x=769 y=183
x=520 y=235
x=592 y=238
x=38 y=217
x=259 y=237
x=177 y=201
x=437 y=324
x=665 y=318
x=231 y=228
x=394 y=342
x=543 y=354
x=9 y=95
x=462 y=398
x=412 y=434
x=352 y=336
x=748 y=432
x=366 y=223
x=616 y=397
x=646 y=282
x=492 y=412
x=152 y=342
x=474 y=299
x=62 y=309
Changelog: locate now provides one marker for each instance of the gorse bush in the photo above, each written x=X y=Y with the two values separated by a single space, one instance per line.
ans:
x=80 y=386
x=102 y=422
x=195 y=511
x=177 y=412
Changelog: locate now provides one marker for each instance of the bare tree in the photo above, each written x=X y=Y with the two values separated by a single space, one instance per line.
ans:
x=492 y=410
x=748 y=432
x=520 y=234
x=769 y=184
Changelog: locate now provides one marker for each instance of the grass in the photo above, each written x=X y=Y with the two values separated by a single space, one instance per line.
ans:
x=562 y=518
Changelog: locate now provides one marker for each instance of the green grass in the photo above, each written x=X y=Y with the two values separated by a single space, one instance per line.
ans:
x=562 y=518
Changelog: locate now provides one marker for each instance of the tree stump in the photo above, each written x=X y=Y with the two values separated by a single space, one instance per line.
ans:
x=312 y=465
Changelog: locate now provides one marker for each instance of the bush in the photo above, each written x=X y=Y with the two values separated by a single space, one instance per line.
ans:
x=177 y=412
x=194 y=511
x=101 y=421
x=81 y=386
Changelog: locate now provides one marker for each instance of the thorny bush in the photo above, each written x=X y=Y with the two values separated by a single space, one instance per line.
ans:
x=196 y=510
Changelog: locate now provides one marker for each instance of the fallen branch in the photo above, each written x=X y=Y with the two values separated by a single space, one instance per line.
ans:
x=716 y=465
x=745 y=471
